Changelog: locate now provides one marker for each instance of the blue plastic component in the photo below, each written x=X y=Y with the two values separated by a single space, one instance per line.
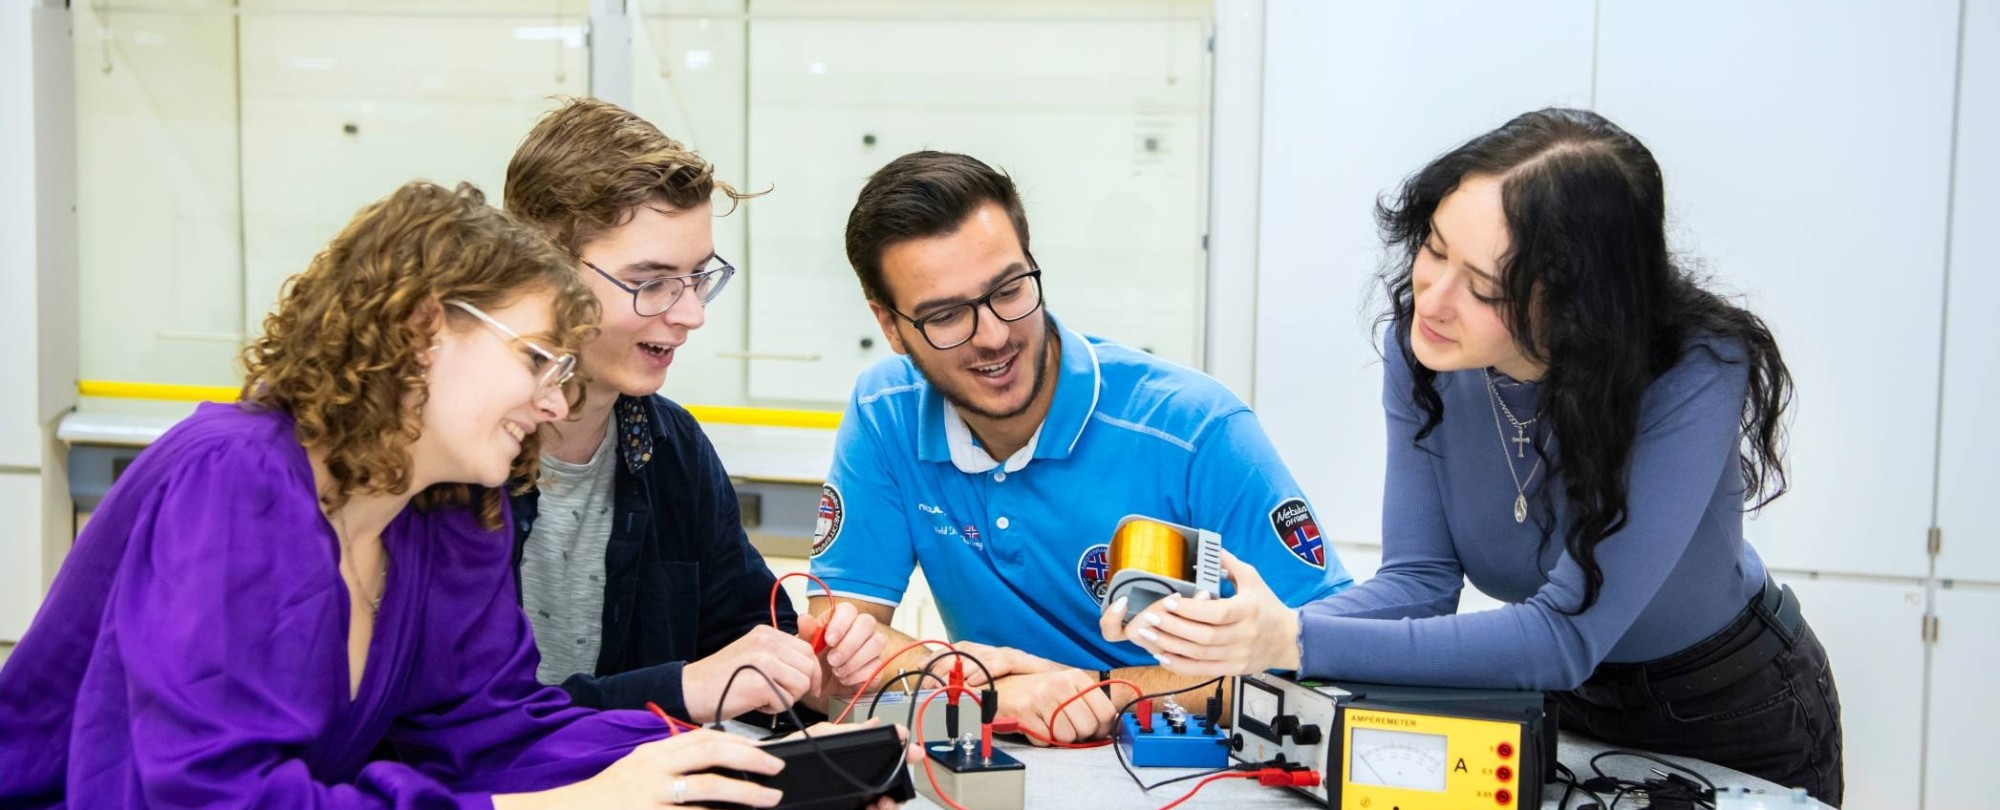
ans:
x=1164 y=748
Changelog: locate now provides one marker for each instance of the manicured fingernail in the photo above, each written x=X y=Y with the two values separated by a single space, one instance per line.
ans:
x=1148 y=634
x=1154 y=618
x=1164 y=661
x=1201 y=594
x=1173 y=603
x=1118 y=607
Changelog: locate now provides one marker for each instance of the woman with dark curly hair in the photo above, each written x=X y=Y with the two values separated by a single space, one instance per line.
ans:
x=1575 y=424
x=276 y=588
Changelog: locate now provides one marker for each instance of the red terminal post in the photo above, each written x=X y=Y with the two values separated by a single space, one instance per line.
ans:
x=1144 y=709
x=989 y=710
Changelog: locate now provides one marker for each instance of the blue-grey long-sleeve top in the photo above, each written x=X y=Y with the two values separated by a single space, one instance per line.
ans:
x=1676 y=573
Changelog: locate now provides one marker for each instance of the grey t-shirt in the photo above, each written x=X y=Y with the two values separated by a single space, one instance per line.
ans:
x=562 y=564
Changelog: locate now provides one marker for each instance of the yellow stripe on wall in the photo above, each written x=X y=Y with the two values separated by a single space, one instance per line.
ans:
x=112 y=389
x=764 y=417
x=710 y=414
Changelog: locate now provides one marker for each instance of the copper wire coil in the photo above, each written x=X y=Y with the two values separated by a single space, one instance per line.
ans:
x=1150 y=546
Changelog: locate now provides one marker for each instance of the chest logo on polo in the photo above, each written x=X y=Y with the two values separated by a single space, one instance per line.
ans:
x=827 y=528
x=1293 y=520
x=1093 y=571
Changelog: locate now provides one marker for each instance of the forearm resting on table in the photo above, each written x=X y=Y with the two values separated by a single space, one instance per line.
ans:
x=1155 y=680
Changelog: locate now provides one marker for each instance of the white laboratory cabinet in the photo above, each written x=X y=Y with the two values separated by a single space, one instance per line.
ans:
x=1969 y=462
x=1963 y=713
x=20 y=553
x=1873 y=633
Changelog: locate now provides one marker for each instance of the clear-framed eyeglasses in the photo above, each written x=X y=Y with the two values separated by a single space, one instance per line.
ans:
x=551 y=370
x=659 y=295
x=1010 y=300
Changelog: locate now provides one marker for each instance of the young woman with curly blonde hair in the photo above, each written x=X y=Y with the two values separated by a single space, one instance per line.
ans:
x=277 y=588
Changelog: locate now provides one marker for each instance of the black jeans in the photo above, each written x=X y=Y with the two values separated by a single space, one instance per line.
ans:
x=1757 y=697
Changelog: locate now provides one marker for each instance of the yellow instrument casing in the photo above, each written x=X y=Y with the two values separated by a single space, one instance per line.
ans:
x=1401 y=759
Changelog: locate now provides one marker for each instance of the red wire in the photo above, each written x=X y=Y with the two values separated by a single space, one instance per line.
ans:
x=673 y=723
x=778 y=587
x=918 y=732
x=1204 y=783
x=1093 y=687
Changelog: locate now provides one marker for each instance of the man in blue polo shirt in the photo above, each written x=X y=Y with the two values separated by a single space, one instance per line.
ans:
x=1000 y=450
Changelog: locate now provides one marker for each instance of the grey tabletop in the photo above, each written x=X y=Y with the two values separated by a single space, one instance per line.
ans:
x=1091 y=778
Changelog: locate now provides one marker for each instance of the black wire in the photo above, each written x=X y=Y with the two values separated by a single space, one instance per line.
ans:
x=919 y=675
x=1642 y=755
x=818 y=746
x=1120 y=752
x=1572 y=783
x=1241 y=766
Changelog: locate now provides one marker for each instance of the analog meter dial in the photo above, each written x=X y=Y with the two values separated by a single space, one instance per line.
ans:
x=1398 y=759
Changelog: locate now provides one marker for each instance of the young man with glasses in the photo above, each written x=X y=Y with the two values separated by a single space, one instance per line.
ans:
x=1001 y=449
x=633 y=565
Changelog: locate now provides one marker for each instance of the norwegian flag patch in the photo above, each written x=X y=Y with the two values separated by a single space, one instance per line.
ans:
x=1093 y=571
x=827 y=528
x=1293 y=520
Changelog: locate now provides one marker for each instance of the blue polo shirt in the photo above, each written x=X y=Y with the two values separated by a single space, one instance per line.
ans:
x=1015 y=551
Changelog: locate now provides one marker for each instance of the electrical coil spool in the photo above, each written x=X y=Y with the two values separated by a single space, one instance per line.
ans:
x=1152 y=547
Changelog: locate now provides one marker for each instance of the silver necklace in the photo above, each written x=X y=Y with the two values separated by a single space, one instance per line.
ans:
x=1520 y=440
x=382 y=588
x=375 y=604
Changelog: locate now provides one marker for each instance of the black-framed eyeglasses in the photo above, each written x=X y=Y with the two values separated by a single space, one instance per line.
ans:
x=660 y=294
x=1010 y=301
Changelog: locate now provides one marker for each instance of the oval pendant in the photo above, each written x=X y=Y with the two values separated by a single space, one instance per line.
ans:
x=1520 y=508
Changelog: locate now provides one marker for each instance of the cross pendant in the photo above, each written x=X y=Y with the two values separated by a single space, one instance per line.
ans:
x=1520 y=441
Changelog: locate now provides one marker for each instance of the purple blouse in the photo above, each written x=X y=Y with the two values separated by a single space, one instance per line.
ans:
x=193 y=651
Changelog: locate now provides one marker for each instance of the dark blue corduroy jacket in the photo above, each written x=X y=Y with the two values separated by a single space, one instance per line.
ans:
x=681 y=580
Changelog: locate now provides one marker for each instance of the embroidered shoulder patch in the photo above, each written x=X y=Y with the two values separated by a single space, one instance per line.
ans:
x=1293 y=520
x=1093 y=571
x=827 y=528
